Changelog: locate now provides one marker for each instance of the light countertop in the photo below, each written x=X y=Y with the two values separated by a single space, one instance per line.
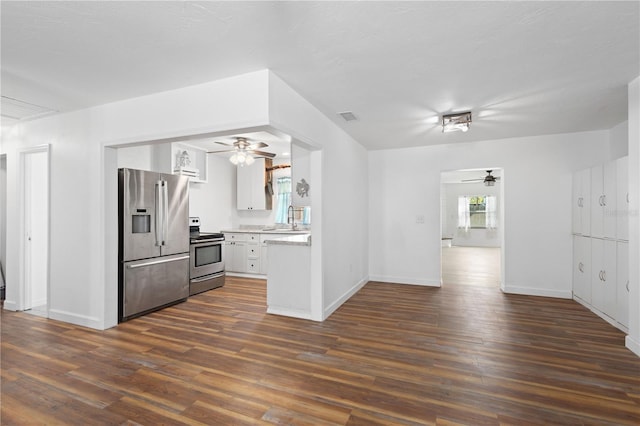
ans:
x=293 y=240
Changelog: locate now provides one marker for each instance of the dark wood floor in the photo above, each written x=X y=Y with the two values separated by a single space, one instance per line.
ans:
x=393 y=354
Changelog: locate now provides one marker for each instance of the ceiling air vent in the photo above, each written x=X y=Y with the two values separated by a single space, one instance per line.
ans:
x=348 y=116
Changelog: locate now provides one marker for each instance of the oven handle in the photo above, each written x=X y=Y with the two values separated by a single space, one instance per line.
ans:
x=156 y=262
x=206 y=278
x=213 y=240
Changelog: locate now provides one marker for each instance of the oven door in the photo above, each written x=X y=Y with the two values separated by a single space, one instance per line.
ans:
x=206 y=258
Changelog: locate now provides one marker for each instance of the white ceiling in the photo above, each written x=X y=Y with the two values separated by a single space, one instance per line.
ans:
x=522 y=68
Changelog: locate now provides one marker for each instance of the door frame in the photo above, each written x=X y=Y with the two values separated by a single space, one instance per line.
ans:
x=501 y=209
x=22 y=185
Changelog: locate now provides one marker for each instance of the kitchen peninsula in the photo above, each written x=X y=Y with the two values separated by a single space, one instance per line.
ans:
x=289 y=276
x=282 y=256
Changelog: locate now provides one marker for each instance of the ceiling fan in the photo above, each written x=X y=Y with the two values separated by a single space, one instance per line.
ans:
x=244 y=152
x=489 y=179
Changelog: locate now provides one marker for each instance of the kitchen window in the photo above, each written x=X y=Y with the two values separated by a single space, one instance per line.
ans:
x=284 y=198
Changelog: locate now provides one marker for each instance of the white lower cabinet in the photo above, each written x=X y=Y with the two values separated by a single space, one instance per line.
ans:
x=603 y=276
x=582 y=268
x=622 y=278
x=236 y=252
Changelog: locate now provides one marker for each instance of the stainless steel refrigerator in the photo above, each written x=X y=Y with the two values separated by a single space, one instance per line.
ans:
x=153 y=249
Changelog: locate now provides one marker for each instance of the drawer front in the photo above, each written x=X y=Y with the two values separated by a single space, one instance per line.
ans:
x=235 y=237
x=253 y=251
x=253 y=266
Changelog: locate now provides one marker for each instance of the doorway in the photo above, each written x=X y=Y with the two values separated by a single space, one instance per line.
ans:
x=35 y=230
x=472 y=237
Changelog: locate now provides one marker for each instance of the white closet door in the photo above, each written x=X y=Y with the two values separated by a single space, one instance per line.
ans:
x=597 y=210
x=622 y=198
x=582 y=268
x=603 y=276
x=609 y=200
x=586 y=202
x=622 y=278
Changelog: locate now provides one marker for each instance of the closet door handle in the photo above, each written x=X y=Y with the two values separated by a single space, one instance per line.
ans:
x=604 y=275
x=580 y=267
x=627 y=286
x=600 y=275
x=604 y=200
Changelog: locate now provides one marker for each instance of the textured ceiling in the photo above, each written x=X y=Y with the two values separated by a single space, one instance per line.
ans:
x=523 y=68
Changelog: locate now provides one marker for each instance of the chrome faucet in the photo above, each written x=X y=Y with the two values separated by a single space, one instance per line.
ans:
x=291 y=218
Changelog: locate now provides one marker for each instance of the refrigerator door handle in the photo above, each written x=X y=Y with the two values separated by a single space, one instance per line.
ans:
x=159 y=211
x=156 y=262
x=165 y=211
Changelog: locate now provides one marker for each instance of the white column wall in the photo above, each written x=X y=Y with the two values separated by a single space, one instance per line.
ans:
x=339 y=203
x=633 y=339
x=405 y=183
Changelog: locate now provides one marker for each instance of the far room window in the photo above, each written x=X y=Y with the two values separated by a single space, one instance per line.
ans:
x=477 y=212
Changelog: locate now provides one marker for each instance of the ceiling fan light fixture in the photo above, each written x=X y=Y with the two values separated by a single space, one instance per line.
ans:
x=460 y=121
x=489 y=179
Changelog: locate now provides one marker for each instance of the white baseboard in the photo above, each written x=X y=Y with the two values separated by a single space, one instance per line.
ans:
x=76 y=319
x=10 y=305
x=346 y=296
x=543 y=292
x=602 y=315
x=275 y=310
x=246 y=275
x=405 y=280
x=632 y=345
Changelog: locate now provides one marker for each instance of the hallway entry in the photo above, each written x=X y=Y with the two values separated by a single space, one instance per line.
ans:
x=471 y=225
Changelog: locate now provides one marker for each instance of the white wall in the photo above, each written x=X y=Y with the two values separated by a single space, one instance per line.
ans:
x=136 y=157
x=471 y=237
x=339 y=200
x=405 y=183
x=633 y=339
x=619 y=140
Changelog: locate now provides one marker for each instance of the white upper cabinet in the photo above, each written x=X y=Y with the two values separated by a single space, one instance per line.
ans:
x=581 y=204
x=181 y=159
x=622 y=199
x=252 y=190
x=603 y=200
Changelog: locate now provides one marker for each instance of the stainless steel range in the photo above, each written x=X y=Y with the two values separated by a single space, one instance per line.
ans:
x=206 y=257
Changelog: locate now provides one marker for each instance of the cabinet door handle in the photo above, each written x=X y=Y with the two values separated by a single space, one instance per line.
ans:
x=580 y=267
x=627 y=286
x=600 y=275
x=604 y=200
x=604 y=275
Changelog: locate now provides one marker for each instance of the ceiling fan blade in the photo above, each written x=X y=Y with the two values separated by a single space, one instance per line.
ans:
x=257 y=145
x=218 y=152
x=223 y=143
x=472 y=180
x=261 y=153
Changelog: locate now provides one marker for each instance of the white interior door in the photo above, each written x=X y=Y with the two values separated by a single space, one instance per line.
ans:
x=36 y=229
